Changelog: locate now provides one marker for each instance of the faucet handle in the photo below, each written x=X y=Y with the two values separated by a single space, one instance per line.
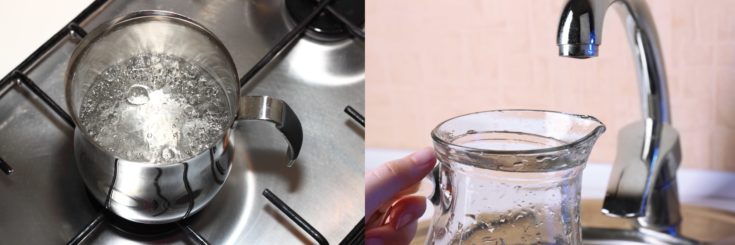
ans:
x=636 y=175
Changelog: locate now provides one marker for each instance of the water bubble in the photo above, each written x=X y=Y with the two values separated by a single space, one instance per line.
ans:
x=168 y=153
x=138 y=94
x=144 y=96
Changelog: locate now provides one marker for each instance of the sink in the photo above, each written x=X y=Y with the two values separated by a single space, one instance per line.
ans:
x=710 y=226
x=700 y=224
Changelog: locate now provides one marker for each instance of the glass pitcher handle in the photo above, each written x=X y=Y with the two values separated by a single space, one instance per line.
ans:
x=276 y=111
x=435 y=178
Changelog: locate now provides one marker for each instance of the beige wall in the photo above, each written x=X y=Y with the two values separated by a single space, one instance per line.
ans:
x=429 y=60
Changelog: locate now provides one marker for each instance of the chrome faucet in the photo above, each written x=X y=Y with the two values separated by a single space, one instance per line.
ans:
x=643 y=180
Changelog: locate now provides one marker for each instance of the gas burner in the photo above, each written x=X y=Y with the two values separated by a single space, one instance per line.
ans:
x=133 y=228
x=332 y=23
x=139 y=229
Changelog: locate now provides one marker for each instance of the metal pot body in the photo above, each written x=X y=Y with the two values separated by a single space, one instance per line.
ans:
x=147 y=193
x=155 y=193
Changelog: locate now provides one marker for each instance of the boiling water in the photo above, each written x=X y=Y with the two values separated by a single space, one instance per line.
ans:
x=154 y=108
x=482 y=204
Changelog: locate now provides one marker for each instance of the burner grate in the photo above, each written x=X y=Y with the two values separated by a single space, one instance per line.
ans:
x=359 y=118
x=338 y=20
x=283 y=43
x=357 y=234
x=5 y=167
x=46 y=99
x=295 y=217
x=193 y=234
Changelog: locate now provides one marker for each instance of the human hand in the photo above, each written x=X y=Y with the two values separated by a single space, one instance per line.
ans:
x=388 y=189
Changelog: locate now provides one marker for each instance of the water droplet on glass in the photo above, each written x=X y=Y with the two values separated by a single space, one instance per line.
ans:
x=472 y=216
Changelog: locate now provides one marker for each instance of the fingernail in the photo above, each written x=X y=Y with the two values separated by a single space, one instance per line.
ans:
x=373 y=241
x=403 y=221
x=423 y=156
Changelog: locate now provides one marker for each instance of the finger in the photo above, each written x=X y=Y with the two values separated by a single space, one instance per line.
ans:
x=386 y=235
x=405 y=192
x=405 y=210
x=410 y=190
x=400 y=213
x=385 y=182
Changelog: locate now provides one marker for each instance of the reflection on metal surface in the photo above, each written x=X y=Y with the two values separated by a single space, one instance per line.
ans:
x=189 y=194
x=112 y=183
x=217 y=170
x=327 y=63
x=163 y=203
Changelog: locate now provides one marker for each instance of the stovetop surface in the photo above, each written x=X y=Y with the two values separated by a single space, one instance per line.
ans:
x=45 y=201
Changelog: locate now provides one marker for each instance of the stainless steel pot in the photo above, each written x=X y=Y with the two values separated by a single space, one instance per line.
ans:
x=152 y=193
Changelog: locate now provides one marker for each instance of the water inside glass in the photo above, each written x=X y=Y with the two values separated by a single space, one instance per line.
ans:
x=155 y=108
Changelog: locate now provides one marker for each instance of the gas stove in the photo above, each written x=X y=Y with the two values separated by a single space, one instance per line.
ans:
x=310 y=53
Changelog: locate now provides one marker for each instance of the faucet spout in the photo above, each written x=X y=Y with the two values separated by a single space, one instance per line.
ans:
x=580 y=28
x=643 y=180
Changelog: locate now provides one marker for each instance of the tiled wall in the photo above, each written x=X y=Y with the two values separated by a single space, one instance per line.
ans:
x=430 y=60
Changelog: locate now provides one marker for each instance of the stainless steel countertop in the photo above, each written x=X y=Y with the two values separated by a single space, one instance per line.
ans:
x=45 y=201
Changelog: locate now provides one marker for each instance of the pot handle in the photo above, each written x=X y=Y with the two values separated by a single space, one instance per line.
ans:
x=276 y=111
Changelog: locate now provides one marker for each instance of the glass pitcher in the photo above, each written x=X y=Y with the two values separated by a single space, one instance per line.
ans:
x=510 y=177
